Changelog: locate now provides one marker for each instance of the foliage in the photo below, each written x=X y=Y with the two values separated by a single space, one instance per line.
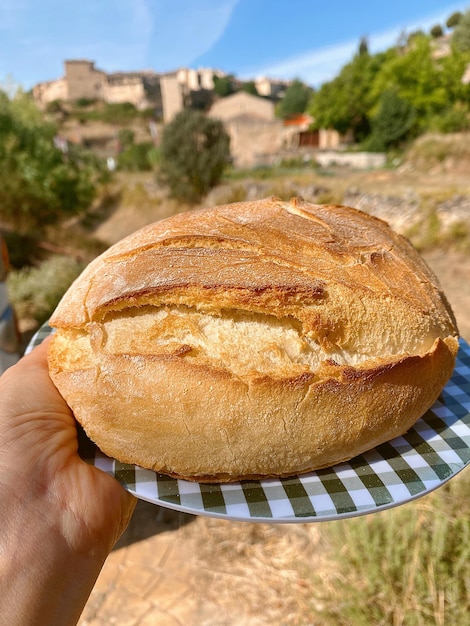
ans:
x=393 y=121
x=436 y=31
x=430 y=150
x=295 y=99
x=344 y=102
x=461 y=34
x=135 y=157
x=109 y=112
x=431 y=87
x=195 y=150
x=39 y=183
x=36 y=291
x=83 y=103
x=414 y=78
x=408 y=566
x=126 y=137
x=138 y=157
x=54 y=107
x=250 y=87
x=454 y=19
x=224 y=85
x=363 y=46
x=454 y=119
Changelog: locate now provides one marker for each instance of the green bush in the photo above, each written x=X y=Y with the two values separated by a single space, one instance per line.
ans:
x=40 y=184
x=120 y=113
x=295 y=100
x=126 y=137
x=36 y=291
x=461 y=33
x=137 y=157
x=195 y=151
x=454 y=19
x=453 y=120
x=393 y=120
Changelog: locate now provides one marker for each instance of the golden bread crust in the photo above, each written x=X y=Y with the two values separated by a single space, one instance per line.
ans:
x=264 y=338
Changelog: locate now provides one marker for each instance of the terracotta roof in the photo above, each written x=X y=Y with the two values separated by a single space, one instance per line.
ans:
x=298 y=120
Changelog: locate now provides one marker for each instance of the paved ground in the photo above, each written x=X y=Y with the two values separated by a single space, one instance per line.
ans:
x=173 y=569
x=146 y=579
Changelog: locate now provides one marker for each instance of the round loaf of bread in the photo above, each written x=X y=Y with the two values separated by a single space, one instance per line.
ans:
x=250 y=340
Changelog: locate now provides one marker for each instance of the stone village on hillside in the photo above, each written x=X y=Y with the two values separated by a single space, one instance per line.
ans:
x=257 y=136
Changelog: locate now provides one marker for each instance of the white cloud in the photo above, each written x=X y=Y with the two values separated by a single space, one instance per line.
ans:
x=322 y=64
x=314 y=66
x=184 y=31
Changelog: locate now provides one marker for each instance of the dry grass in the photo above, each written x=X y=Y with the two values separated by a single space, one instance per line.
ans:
x=409 y=566
x=440 y=153
x=259 y=570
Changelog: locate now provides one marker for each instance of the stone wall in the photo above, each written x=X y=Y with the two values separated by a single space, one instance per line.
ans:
x=242 y=104
x=125 y=90
x=357 y=160
x=50 y=91
x=83 y=80
x=172 y=97
x=252 y=141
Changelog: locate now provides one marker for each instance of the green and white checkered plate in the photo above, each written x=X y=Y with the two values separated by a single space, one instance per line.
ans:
x=401 y=470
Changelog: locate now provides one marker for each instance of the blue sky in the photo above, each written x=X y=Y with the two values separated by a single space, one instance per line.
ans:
x=306 y=39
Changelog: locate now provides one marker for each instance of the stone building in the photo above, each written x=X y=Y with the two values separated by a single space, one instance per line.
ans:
x=257 y=137
x=270 y=88
x=167 y=93
x=82 y=80
x=254 y=131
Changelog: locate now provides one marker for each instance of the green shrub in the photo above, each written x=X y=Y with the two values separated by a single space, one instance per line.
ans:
x=194 y=153
x=137 y=157
x=453 y=120
x=461 y=33
x=126 y=137
x=454 y=19
x=40 y=184
x=295 y=99
x=393 y=120
x=84 y=103
x=36 y=291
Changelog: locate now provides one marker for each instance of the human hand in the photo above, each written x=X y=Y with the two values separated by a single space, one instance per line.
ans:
x=60 y=516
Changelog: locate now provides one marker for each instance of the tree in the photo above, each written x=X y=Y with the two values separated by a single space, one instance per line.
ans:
x=461 y=34
x=393 y=121
x=436 y=31
x=416 y=78
x=363 y=46
x=250 y=88
x=295 y=99
x=194 y=151
x=223 y=86
x=344 y=102
x=40 y=183
x=454 y=19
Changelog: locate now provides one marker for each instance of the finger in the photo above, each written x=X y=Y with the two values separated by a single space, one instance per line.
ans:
x=27 y=386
